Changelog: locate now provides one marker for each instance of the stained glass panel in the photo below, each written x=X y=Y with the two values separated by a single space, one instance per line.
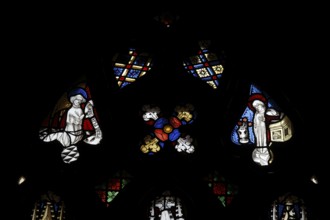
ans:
x=206 y=66
x=262 y=123
x=221 y=188
x=167 y=207
x=113 y=186
x=127 y=68
x=168 y=130
x=73 y=119
x=49 y=206
x=288 y=206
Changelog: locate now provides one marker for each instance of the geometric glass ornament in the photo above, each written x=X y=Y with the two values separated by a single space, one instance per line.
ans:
x=168 y=130
x=221 y=188
x=205 y=65
x=129 y=67
x=109 y=189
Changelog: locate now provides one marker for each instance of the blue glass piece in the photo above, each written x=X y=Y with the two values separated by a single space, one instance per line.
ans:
x=199 y=66
x=174 y=135
x=134 y=73
x=124 y=84
x=254 y=89
x=118 y=71
x=160 y=122
x=211 y=72
x=161 y=144
x=280 y=210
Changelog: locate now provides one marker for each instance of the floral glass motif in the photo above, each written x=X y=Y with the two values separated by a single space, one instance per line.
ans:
x=168 y=129
x=128 y=68
x=72 y=120
x=110 y=188
x=205 y=65
x=221 y=188
x=262 y=123
x=288 y=207
x=49 y=207
x=166 y=207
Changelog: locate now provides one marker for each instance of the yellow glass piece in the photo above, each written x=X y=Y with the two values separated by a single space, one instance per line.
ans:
x=151 y=144
x=168 y=129
x=184 y=115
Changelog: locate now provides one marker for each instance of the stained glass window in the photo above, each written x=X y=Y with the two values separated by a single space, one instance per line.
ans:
x=288 y=206
x=73 y=119
x=166 y=207
x=49 y=207
x=221 y=188
x=262 y=123
x=111 y=187
x=129 y=67
x=168 y=129
x=205 y=65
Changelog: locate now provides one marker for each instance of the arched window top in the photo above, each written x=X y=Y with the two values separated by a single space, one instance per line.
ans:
x=288 y=206
x=166 y=207
x=49 y=206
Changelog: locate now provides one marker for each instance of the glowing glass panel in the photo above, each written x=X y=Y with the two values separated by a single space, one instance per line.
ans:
x=221 y=188
x=168 y=129
x=128 y=68
x=166 y=207
x=111 y=187
x=73 y=119
x=288 y=206
x=49 y=206
x=205 y=66
x=261 y=123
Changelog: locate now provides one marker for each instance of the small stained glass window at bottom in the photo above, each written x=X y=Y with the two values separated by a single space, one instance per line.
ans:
x=288 y=207
x=166 y=207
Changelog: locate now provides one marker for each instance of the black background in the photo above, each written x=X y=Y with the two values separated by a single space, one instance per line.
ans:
x=281 y=49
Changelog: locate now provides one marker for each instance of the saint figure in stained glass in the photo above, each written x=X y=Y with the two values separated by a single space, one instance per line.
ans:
x=262 y=123
x=73 y=120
